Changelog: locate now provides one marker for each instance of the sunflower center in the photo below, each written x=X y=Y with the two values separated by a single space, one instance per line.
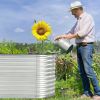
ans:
x=41 y=31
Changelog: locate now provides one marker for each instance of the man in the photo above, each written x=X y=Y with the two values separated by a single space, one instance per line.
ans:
x=84 y=32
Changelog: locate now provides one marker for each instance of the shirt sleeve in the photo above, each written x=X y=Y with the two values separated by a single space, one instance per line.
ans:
x=85 y=27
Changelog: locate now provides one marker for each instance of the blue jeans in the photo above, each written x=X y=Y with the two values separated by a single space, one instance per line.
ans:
x=84 y=58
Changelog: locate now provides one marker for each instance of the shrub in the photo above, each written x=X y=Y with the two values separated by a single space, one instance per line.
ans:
x=66 y=66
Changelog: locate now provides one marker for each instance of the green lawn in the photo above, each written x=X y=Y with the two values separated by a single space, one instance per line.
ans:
x=51 y=98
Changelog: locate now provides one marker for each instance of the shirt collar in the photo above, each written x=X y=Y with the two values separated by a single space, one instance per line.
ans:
x=82 y=15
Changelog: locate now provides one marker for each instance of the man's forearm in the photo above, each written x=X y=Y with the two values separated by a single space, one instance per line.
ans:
x=70 y=36
x=67 y=36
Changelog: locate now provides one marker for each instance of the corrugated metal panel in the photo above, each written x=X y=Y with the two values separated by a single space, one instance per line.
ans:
x=27 y=76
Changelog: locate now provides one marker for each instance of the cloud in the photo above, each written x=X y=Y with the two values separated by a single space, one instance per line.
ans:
x=19 y=30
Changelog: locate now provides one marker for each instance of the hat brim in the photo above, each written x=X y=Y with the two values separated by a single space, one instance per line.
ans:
x=74 y=8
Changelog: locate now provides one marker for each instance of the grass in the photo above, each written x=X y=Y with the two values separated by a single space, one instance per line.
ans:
x=67 y=96
x=51 y=98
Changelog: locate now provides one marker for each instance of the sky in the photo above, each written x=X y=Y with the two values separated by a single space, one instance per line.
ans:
x=17 y=17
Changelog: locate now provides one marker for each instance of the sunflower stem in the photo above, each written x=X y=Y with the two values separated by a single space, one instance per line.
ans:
x=36 y=46
x=42 y=47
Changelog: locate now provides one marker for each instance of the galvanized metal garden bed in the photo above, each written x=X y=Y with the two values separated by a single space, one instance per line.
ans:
x=27 y=76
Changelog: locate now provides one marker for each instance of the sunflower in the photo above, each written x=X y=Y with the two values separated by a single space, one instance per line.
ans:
x=41 y=30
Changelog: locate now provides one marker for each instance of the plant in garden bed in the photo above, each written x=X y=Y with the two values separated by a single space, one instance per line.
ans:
x=41 y=30
x=10 y=47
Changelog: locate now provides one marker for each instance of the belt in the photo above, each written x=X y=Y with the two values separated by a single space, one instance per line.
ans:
x=84 y=43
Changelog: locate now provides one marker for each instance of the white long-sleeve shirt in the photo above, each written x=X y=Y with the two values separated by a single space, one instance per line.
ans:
x=85 y=28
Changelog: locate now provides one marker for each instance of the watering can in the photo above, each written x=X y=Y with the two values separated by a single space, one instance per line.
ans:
x=64 y=44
